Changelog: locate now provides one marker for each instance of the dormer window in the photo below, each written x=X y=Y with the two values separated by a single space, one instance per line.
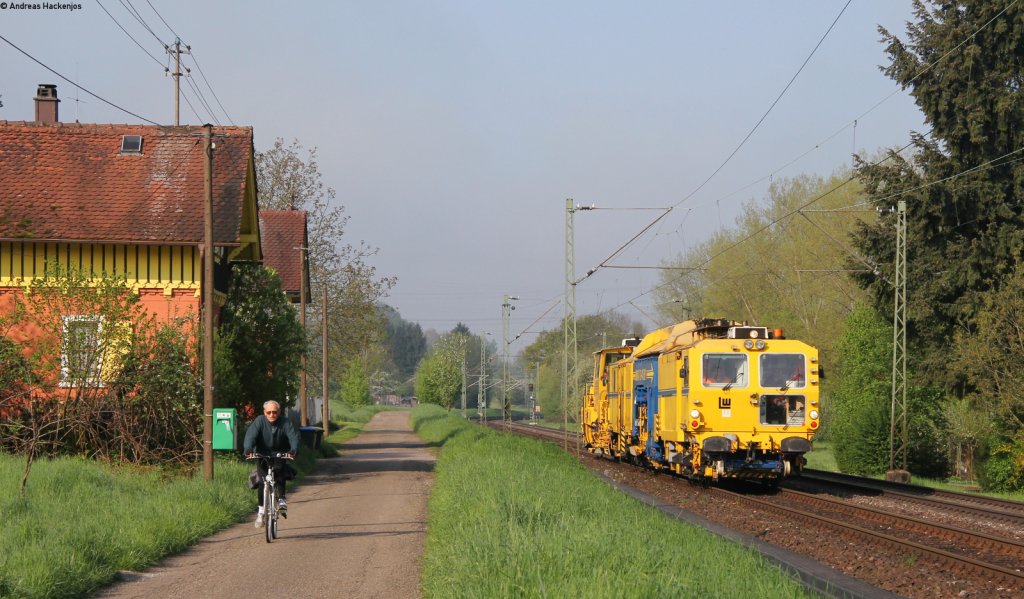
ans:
x=131 y=144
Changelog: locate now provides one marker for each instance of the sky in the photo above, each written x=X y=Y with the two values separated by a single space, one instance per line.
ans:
x=454 y=131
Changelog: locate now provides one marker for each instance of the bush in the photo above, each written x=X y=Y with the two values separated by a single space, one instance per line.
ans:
x=862 y=407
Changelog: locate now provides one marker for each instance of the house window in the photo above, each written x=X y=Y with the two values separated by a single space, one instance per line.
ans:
x=131 y=144
x=81 y=359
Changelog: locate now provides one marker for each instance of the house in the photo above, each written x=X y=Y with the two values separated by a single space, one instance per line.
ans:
x=284 y=241
x=124 y=200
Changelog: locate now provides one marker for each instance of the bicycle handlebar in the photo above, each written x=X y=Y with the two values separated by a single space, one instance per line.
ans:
x=277 y=454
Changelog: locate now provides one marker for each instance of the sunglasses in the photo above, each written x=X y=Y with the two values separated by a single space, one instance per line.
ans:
x=270 y=412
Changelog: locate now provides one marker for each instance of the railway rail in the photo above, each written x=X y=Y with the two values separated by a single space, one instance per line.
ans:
x=1004 y=510
x=991 y=558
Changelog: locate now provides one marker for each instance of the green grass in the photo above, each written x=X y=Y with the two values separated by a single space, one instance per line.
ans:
x=821 y=457
x=80 y=522
x=516 y=517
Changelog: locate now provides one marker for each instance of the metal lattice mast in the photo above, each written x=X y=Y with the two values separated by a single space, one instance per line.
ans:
x=568 y=322
x=481 y=396
x=898 y=415
x=506 y=398
x=463 y=344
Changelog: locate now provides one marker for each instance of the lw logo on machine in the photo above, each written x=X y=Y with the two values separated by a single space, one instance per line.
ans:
x=724 y=403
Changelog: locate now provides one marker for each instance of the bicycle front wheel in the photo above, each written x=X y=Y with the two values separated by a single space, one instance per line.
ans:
x=270 y=512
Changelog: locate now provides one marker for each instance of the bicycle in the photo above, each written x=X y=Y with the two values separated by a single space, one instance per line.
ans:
x=270 y=510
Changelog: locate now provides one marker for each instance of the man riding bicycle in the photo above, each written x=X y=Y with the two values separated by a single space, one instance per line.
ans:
x=270 y=433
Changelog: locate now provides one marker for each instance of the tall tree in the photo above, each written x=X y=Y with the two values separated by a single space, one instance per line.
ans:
x=355 y=387
x=288 y=176
x=779 y=266
x=439 y=376
x=963 y=62
x=406 y=343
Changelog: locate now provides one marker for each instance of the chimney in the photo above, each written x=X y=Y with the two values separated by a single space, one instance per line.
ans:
x=46 y=103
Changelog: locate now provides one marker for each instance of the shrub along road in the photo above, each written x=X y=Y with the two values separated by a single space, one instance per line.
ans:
x=355 y=528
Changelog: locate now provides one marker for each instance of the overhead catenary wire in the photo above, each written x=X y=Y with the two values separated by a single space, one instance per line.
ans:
x=833 y=190
x=852 y=122
x=731 y=155
x=770 y=108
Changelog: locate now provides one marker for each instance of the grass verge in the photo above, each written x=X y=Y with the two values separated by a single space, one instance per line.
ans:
x=517 y=517
x=80 y=522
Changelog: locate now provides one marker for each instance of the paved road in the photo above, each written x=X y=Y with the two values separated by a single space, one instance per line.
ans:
x=355 y=528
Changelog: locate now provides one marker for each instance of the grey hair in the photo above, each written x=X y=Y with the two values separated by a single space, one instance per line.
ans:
x=273 y=403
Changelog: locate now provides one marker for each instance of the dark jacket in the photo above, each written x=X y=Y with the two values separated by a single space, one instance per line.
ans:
x=264 y=437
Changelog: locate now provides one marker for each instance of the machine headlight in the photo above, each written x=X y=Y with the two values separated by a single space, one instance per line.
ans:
x=759 y=344
x=813 y=414
x=748 y=344
x=695 y=414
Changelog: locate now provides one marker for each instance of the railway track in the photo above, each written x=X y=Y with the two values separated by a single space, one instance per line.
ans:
x=953 y=535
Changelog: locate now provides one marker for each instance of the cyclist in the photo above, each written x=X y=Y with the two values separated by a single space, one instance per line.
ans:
x=268 y=434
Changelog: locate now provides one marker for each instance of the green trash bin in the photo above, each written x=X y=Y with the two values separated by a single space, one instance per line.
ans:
x=225 y=429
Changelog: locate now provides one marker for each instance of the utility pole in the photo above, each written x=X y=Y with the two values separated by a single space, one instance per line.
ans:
x=481 y=398
x=463 y=343
x=506 y=400
x=898 y=415
x=177 y=52
x=570 y=373
x=303 y=402
x=326 y=408
x=533 y=396
x=208 y=305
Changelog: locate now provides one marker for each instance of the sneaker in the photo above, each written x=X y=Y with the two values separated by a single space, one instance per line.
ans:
x=282 y=507
x=259 y=519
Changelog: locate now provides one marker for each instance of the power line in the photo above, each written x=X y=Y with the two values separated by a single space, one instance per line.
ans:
x=138 y=17
x=162 y=19
x=130 y=35
x=202 y=100
x=194 y=60
x=224 y=110
x=98 y=97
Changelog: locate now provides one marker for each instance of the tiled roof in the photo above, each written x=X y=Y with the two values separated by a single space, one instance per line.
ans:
x=70 y=182
x=281 y=233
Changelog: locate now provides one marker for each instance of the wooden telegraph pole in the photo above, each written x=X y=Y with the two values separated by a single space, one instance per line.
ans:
x=326 y=406
x=303 y=407
x=208 y=308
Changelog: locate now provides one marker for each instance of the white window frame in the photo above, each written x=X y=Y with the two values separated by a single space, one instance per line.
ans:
x=65 y=367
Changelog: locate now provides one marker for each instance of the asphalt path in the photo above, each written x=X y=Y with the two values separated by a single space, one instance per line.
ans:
x=355 y=528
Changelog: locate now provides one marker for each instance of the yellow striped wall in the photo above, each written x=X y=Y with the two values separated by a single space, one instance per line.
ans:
x=143 y=266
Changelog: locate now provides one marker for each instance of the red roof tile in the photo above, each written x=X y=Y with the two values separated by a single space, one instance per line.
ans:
x=281 y=233
x=70 y=182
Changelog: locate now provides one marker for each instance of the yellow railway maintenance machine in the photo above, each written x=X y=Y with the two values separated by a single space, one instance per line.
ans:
x=708 y=399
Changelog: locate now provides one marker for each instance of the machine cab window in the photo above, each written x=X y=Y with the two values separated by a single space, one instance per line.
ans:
x=784 y=371
x=783 y=410
x=724 y=370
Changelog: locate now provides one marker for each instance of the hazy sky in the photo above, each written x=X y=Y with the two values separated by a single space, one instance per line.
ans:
x=454 y=131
